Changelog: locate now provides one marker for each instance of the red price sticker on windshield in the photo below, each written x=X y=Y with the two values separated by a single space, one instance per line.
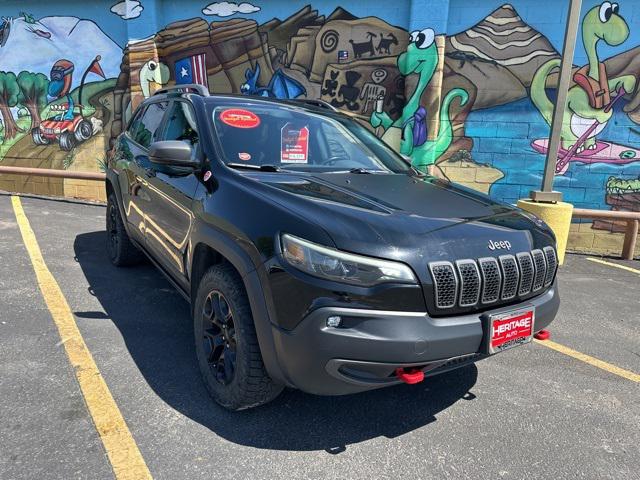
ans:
x=240 y=118
x=294 y=144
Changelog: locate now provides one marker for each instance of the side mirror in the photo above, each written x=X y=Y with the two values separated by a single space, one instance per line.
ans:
x=172 y=153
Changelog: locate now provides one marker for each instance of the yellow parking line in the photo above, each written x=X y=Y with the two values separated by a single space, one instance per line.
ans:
x=122 y=451
x=616 y=265
x=621 y=372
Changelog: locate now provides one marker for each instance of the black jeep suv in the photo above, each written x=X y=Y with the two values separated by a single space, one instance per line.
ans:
x=312 y=254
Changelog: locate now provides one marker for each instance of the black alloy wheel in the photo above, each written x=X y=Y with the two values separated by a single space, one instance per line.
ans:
x=219 y=337
x=122 y=252
x=113 y=238
x=227 y=348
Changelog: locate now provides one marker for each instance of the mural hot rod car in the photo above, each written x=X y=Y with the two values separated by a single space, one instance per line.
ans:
x=68 y=133
x=65 y=126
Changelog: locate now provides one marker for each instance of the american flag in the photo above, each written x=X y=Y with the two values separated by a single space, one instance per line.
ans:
x=192 y=70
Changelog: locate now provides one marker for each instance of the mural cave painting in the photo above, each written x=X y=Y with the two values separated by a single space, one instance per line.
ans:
x=361 y=48
x=373 y=91
x=590 y=101
x=472 y=105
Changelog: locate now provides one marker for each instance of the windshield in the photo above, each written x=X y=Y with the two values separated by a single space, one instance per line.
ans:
x=292 y=139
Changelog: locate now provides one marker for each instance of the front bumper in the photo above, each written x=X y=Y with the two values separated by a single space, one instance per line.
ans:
x=364 y=352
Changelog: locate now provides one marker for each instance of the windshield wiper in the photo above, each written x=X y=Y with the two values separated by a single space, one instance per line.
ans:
x=364 y=170
x=262 y=168
x=417 y=172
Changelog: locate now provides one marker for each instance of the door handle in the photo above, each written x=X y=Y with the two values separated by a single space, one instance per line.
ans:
x=138 y=187
x=140 y=181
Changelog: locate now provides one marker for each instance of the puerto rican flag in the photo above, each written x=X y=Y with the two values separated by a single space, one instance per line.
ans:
x=192 y=70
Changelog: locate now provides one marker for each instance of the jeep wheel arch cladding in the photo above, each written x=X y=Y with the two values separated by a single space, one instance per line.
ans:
x=231 y=252
x=223 y=224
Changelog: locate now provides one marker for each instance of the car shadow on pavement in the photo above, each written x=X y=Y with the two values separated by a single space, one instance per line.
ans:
x=155 y=324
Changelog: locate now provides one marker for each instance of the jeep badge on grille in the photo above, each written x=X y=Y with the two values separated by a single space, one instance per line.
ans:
x=503 y=245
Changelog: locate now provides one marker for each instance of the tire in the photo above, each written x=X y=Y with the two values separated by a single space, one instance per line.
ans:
x=83 y=132
x=226 y=343
x=67 y=141
x=122 y=252
x=38 y=138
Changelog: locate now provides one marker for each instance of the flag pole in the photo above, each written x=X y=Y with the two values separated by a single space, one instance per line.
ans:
x=84 y=77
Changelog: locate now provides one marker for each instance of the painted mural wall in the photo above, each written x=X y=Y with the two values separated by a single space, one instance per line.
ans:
x=465 y=88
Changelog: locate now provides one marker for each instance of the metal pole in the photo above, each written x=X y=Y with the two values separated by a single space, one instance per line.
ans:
x=568 y=49
x=48 y=172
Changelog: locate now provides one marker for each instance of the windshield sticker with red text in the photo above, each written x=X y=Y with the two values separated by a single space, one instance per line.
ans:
x=294 y=144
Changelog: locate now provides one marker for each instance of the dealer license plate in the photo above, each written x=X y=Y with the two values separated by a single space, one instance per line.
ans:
x=510 y=329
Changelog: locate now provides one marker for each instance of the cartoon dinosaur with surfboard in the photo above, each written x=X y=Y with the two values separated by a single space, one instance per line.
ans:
x=590 y=101
x=409 y=131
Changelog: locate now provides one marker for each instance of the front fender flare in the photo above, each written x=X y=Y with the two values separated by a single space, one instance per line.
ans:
x=243 y=262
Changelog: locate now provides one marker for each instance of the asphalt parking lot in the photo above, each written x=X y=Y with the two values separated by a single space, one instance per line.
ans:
x=532 y=412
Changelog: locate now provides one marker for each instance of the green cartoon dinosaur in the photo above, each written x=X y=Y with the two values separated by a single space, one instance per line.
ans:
x=588 y=99
x=622 y=186
x=409 y=131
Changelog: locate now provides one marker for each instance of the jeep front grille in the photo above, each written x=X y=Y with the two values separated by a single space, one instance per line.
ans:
x=526 y=272
x=445 y=284
x=491 y=279
x=469 y=282
x=552 y=265
x=541 y=269
x=484 y=281
x=511 y=276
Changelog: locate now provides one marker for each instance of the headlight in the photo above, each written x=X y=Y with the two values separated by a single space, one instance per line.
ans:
x=332 y=264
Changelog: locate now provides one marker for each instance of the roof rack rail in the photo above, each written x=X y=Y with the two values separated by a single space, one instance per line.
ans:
x=317 y=103
x=186 y=88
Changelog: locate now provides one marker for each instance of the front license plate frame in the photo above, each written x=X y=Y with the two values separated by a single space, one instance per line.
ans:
x=510 y=335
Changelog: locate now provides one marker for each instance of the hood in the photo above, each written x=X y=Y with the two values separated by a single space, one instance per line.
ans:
x=399 y=216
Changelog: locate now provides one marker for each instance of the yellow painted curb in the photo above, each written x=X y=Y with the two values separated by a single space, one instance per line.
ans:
x=122 y=451
x=595 y=362
x=557 y=216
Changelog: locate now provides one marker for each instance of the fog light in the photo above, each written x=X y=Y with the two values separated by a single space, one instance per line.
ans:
x=334 y=321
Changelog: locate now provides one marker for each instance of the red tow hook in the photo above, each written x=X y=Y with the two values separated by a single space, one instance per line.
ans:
x=410 y=375
x=542 y=335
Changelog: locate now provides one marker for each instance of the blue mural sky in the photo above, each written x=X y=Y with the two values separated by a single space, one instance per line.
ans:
x=157 y=14
x=547 y=16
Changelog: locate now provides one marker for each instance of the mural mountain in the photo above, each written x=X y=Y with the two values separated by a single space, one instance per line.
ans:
x=50 y=38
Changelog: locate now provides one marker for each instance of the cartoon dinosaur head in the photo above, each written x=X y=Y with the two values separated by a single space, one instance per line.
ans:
x=603 y=22
x=153 y=75
x=421 y=56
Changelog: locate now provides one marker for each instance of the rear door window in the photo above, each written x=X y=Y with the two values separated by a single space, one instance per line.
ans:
x=145 y=128
x=181 y=124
